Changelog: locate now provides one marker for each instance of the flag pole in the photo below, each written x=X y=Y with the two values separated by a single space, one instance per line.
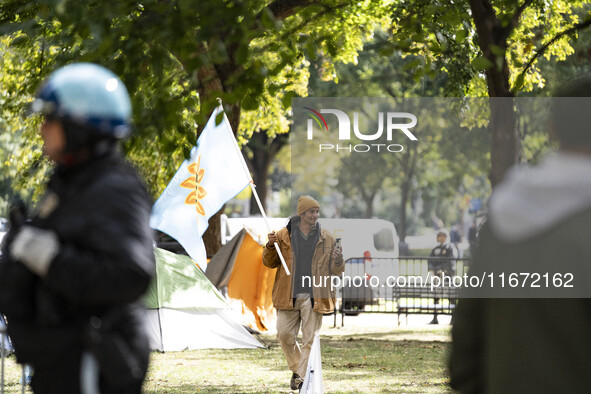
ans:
x=254 y=192
x=256 y=197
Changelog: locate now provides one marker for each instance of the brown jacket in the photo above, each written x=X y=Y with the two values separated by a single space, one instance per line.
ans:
x=323 y=268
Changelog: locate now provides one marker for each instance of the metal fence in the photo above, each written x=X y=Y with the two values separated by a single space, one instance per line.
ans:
x=405 y=285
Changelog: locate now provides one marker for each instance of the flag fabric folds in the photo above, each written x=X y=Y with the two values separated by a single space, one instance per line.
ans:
x=214 y=174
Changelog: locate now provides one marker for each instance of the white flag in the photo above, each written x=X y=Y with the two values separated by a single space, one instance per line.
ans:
x=214 y=174
x=313 y=380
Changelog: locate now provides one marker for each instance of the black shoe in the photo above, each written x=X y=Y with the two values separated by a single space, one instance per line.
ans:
x=434 y=321
x=293 y=383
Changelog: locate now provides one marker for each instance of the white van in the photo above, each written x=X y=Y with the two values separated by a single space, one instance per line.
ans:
x=370 y=248
x=361 y=238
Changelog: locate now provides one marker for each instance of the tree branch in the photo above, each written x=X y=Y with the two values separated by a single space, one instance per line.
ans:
x=278 y=142
x=282 y=9
x=491 y=33
x=543 y=48
x=390 y=91
x=327 y=11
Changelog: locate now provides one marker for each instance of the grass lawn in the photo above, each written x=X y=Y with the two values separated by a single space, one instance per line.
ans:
x=355 y=360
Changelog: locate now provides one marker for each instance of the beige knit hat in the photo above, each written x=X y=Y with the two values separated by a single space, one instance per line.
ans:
x=305 y=203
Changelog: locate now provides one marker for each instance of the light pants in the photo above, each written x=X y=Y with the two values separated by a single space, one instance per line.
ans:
x=288 y=326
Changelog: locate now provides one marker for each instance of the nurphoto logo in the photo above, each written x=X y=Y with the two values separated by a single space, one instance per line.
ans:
x=392 y=124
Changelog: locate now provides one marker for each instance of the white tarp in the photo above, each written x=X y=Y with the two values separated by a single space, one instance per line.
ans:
x=176 y=330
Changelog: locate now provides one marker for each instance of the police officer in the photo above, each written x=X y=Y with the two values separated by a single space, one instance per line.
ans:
x=77 y=269
x=442 y=263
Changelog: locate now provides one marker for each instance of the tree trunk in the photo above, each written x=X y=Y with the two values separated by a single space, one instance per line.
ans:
x=233 y=113
x=505 y=143
x=404 y=195
x=408 y=162
x=369 y=204
x=493 y=34
x=263 y=150
x=260 y=173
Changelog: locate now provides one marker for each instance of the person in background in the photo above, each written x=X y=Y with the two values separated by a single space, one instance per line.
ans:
x=309 y=252
x=455 y=237
x=539 y=221
x=441 y=263
x=73 y=272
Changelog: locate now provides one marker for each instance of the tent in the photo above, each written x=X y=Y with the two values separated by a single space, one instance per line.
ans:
x=237 y=270
x=185 y=311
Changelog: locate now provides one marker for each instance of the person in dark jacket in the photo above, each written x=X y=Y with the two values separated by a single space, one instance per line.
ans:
x=532 y=336
x=73 y=275
x=441 y=263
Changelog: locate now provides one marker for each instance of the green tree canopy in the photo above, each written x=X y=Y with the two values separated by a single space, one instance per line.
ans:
x=177 y=57
x=489 y=48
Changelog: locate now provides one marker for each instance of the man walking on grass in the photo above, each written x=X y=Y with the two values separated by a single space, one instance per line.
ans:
x=304 y=296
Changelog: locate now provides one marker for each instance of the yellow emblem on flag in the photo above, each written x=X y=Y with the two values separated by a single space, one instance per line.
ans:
x=194 y=182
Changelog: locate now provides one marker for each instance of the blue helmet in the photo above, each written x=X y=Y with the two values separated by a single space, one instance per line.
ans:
x=88 y=96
